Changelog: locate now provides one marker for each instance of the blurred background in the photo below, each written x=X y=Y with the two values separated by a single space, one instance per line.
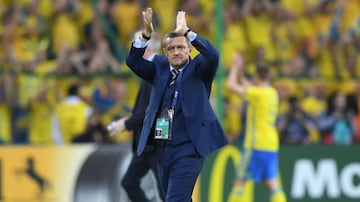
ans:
x=54 y=53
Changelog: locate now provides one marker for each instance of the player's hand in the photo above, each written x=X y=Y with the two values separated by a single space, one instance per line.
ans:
x=117 y=127
x=238 y=62
x=147 y=18
x=181 y=26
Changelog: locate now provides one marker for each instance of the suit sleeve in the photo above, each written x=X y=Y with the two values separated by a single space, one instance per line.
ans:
x=143 y=68
x=136 y=119
x=208 y=58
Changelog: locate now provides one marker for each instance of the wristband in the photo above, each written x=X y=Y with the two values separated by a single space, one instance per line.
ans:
x=187 y=32
x=145 y=37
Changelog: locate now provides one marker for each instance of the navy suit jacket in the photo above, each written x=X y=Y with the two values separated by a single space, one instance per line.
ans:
x=135 y=121
x=194 y=86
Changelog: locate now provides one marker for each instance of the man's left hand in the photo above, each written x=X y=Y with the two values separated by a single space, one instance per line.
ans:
x=181 y=26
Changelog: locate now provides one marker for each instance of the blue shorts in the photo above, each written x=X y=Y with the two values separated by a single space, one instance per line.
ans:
x=258 y=165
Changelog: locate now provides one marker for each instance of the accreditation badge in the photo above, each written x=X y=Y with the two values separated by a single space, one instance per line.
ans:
x=163 y=124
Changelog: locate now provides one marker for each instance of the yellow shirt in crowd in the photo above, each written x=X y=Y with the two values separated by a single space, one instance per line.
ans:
x=72 y=115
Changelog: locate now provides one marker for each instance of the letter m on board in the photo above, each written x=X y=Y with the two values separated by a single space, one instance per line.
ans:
x=315 y=182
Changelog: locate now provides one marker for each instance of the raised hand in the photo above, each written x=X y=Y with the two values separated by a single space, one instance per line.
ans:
x=181 y=26
x=147 y=18
x=238 y=62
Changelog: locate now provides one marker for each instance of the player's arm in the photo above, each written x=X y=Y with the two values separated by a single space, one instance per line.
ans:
x=236 y=81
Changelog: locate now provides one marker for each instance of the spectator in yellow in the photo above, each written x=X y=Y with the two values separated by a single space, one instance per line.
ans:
x=200 y=20
x=302 y=13
x=71 y=117
x=314 y=98
x=6 y=98
x=165 y=23
x=126 y=16
x=282 y=33
x=41 y=109
x=350 y=14
x=65 y=30
x=234 y=33
x=258 y=25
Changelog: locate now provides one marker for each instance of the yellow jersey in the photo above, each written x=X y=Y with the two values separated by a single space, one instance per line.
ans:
x=65 y=33
x=259 y=32
x=72 y=115
x=126 y=14
x=5 y=123
x=262 y=111
x=40 y=122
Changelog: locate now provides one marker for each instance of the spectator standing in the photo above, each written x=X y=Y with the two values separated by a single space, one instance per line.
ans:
x=335 y=124
x=6 y=100
x=71 y=117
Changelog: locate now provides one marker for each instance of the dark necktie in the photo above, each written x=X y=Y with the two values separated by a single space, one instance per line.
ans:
x=173 y=74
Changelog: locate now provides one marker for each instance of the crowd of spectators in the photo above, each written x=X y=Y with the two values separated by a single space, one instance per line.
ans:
x=312 y=47
x=51 y=46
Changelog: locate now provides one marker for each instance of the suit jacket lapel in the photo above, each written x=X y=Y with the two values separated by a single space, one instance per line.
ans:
x=164 y=78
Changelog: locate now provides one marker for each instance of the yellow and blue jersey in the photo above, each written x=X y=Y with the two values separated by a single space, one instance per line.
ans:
x=262 y=110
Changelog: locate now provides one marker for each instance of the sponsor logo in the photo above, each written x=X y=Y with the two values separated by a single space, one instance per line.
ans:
x=325 y=179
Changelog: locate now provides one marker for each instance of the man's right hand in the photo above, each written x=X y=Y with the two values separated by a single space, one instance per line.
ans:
x=148 y=26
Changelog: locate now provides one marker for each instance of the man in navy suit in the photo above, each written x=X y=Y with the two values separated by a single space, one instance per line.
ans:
x=179 y=119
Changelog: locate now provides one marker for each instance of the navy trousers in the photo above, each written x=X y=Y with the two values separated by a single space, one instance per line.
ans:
x=178 y=168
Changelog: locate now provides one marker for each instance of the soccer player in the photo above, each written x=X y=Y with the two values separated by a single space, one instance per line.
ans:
x=259 y=160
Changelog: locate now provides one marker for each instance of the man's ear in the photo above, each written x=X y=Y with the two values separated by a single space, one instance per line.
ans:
x=165 y=53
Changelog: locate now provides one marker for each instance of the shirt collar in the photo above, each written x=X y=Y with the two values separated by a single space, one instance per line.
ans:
x=72 y=99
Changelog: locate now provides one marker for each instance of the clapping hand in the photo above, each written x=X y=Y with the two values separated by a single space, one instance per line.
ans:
x=181 y=26
x=148 y=26
x=238 y=63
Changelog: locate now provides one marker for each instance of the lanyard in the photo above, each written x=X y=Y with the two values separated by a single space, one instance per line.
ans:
x=175 y=98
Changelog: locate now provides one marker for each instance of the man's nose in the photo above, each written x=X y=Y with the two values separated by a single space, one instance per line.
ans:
x=176 y=50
